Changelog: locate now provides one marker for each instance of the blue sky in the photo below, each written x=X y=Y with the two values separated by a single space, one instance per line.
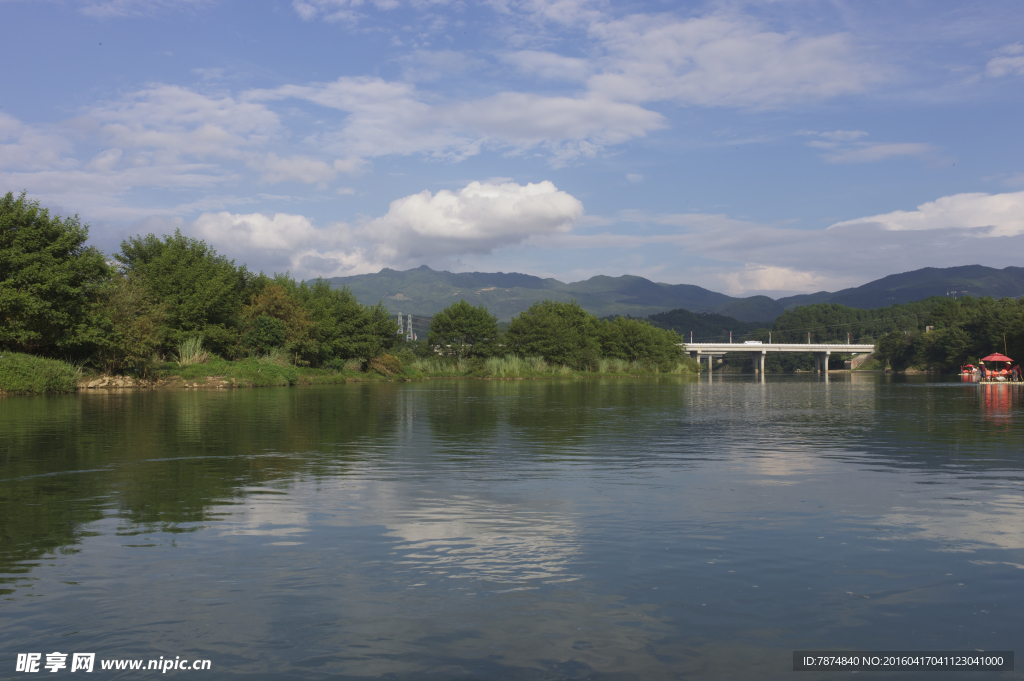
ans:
x=748 y=147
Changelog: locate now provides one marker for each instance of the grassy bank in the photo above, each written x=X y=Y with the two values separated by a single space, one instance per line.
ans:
x=512 y=366
x=25 y=374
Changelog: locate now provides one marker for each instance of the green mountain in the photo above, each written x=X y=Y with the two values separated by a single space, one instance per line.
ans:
x=976 y=281
x=423 y=291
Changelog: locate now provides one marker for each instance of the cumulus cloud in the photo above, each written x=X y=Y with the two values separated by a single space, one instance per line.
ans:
x=476 y=219
x=286 y=242
x=752 y=279
x=983 y=215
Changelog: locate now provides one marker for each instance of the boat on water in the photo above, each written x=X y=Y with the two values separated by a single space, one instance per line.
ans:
x=993 y=373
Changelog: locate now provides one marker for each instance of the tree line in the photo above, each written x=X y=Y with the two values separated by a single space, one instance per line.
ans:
x=63 y=299
x=562 y=333
x=937 y=333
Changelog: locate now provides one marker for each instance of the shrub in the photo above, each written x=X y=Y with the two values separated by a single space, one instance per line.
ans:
x=385 y=365
x=27 y=374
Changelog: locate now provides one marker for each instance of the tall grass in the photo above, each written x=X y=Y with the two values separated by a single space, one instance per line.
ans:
x=190 y=351
x=511 y=366
x=507 y=366
x=440 y=366
x=27 y=374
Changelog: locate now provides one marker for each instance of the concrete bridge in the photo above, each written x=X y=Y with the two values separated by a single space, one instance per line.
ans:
x=760 y=350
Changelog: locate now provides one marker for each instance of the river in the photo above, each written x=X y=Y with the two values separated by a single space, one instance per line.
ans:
x=658 y=528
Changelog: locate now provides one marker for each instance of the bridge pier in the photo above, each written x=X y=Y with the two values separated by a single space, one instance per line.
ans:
x=758 y=358
x=821 y=361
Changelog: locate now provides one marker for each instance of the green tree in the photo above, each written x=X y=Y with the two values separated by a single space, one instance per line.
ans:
x=470 y=331
x=561 y=333
x=201 y=291
x=265 y=333
x=343 y=328
x=129 y=326
x=895 y=349
x=637 y=341
x=48 y=279
x=276 y=301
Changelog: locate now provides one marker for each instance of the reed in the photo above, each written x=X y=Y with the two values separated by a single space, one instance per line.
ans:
x=191 y=351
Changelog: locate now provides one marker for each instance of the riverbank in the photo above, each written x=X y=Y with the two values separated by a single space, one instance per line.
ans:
x=25 y=374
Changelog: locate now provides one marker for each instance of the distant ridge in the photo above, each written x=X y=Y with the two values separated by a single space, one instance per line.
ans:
x=977 y=281
x=423 y=291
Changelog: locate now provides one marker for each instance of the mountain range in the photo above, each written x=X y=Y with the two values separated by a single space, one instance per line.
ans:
x=423 y=291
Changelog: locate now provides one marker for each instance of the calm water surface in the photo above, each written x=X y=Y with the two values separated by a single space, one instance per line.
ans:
x=605 y=529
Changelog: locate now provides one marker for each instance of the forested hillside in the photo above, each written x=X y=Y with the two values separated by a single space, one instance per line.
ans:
x=938 y=333
x=705 y=327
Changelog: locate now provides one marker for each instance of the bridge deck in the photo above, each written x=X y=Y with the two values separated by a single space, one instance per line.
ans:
x=717 y=348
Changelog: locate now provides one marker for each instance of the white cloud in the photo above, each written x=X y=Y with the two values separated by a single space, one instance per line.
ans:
x=165 y=122
x=634 y=178
x=1009 y=63
x=747 y=258
x=475 y=219
x=286 y=242
x=848 y=146
x=549 y=65
x=754 y=279
x=426 y=65
x=723 y=60
x=983 y=215
x=337 y=10
x=392 y=118
x=878 y=152
x=256 y=231
x=303 y=168
x=127 y=8
x=27 y=147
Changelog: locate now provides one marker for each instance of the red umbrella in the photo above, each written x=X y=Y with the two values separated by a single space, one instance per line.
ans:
x=996 y=357
x=969 y=365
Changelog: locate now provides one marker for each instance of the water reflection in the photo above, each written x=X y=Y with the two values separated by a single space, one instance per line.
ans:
x=998 y=400
x=651 y=528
